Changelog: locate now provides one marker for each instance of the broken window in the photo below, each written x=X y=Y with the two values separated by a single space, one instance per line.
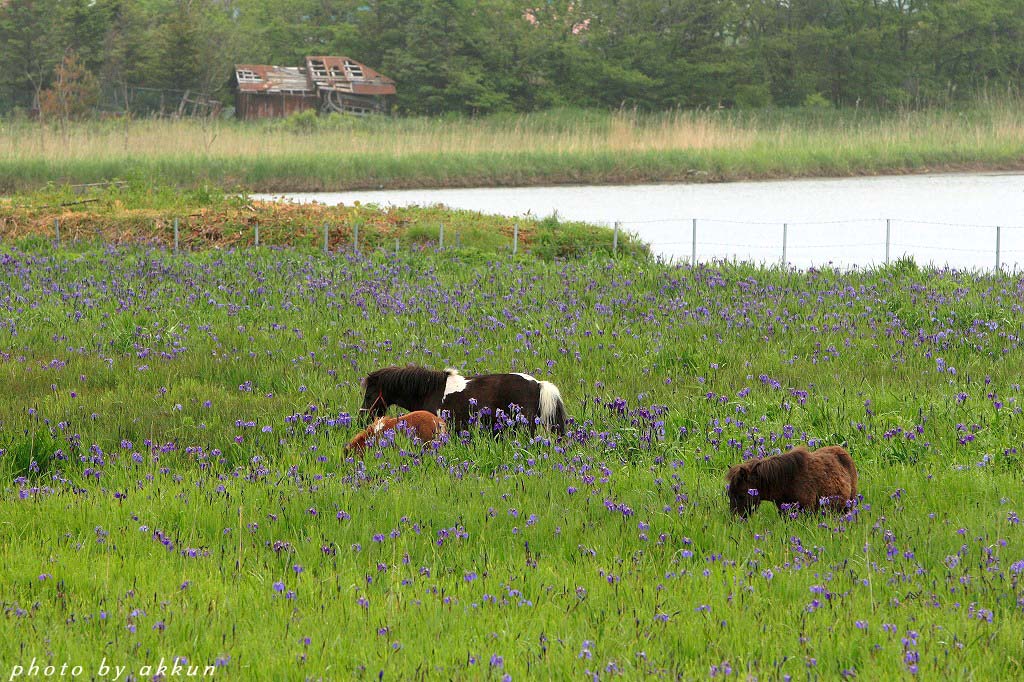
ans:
x=353 y=69
x=319 y=68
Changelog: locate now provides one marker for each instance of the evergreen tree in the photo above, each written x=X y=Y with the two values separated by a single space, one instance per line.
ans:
x=29 y=49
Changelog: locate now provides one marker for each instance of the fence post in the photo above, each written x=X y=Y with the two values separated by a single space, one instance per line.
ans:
x=888 y=233
x=175 y=235
x=693 y=250
x=257 y=234
x=56 y=229
x=326 y=247
x=615 y=239
x=355 y=237
x=515 y=238
x=440 y=237
x=998 y=235
x=785 y=229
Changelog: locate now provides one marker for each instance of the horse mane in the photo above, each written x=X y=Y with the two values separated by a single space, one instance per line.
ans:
x=772 y=472
x=411 y=380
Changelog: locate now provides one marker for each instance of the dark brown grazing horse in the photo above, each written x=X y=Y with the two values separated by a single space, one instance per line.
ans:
x=823 y=479
x=466 y=400
x=420 y=425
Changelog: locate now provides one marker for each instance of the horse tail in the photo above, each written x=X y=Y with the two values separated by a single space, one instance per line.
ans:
x=551 y=407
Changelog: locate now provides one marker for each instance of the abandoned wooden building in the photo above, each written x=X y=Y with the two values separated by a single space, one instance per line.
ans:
x=324 y=84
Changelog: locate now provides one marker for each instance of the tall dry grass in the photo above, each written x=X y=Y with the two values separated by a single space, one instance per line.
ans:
x=310 y=152
x=620 y=131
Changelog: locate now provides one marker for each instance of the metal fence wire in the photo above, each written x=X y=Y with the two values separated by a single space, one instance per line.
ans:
x=725 y=237
x=878 y=235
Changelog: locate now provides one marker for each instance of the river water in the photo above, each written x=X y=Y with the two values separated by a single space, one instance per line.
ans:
x=948 y=219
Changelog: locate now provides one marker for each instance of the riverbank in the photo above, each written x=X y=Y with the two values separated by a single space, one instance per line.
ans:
x=208 y=218
x=309 y=153
x=947 y=219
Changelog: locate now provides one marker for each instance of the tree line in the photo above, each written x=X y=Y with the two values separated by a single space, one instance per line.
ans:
x=485 y=56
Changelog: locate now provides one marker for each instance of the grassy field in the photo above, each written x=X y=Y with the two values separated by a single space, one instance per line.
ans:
x=566 y=146
x=173 y=484
x=143 y=212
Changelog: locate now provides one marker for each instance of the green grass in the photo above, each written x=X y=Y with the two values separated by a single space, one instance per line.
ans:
x=562 y=146
x=146 y=212
x=203 y=396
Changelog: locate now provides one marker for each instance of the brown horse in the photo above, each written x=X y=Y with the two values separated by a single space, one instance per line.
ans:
x=823 y=479
x=420 y=425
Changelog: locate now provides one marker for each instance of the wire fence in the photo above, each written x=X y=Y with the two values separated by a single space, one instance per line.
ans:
x=861 y=241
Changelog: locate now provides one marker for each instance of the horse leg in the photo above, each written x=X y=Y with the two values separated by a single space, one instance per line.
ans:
x=532 y=415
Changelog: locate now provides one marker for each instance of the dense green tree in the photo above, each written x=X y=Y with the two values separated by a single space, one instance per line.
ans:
x=447 y=54
x=82 y=29
x=483 y=56
x=29 y=50
x=971 y=45
x=126 y=54
x=176 y=62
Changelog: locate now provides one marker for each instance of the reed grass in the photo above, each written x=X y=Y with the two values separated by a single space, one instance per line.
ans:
x=306 y=152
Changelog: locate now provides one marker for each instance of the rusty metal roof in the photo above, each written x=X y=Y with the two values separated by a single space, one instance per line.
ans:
x=335 y=74
x=276 y=79
x=341 y=74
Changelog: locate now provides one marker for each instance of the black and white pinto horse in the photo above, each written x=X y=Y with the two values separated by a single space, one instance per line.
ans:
x=464 y=400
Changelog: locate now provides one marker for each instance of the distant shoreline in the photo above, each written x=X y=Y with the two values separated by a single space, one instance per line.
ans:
x=11 y=183
x=1008 y=169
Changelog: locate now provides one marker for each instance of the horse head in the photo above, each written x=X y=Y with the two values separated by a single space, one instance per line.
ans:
x=375 y=405
x=742 y=489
